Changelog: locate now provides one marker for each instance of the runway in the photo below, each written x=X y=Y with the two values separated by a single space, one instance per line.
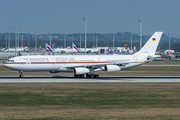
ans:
x=58 y=79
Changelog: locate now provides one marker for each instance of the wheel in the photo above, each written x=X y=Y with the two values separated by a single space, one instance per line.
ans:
x=87 y=75
x=96 y=76
x=92 y=76
x=21 y=74
x=82 y=75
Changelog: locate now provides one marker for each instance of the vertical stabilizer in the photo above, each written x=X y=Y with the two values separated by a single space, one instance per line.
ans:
x=74 y=47
x=48 y=48
x=151 y=45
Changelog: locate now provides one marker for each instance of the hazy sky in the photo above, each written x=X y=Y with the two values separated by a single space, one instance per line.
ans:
x=103 y=16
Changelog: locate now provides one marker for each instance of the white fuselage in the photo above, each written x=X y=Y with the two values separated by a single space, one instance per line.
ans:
x=92 y=50
x=65 y=50
x=13 y=50
x=64 y=62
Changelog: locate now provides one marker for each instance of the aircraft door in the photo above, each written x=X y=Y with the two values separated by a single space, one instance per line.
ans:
x=53 y=61
x=22 y=61
x=99 y=60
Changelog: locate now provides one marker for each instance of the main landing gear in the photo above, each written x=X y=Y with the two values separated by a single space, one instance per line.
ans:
x=92 y=76
x=21 y=74
x=79 y=76
x=87 y=75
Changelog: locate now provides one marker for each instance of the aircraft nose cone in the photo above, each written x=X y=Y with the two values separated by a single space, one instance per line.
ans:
x=6 y=65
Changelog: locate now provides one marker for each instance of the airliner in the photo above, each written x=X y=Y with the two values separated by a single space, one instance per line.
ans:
x=17 y=49
x=85 y=64
x=92 y=50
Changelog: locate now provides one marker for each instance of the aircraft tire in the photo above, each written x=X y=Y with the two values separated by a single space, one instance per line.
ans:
x=96 y=76
x=79 y=76
x=87 y=75
x=82 y=76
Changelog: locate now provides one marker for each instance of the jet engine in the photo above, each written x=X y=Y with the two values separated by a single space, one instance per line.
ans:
x=81 y=70
x=111 y=68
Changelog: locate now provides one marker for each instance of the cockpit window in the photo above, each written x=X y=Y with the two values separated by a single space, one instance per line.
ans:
x=10 y=61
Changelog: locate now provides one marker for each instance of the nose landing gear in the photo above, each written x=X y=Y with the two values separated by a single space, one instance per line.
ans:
x=21 y=74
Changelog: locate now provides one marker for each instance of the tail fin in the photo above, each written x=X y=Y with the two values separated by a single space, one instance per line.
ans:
x=74 y=47
x=48 y=48
x=151 y=45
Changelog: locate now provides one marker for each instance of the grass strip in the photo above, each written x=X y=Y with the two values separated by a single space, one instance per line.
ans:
x=89 y=101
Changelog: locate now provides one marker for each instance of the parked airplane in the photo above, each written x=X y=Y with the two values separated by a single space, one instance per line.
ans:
x=92 y=50
x=17 y=49
x=85 y=64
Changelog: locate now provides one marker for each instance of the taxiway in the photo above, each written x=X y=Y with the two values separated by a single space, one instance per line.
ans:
x=37 y=79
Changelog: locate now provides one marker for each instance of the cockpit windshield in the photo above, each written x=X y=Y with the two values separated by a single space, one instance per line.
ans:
x=10 y=61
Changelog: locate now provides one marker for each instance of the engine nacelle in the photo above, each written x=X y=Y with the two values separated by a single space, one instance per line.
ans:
x=80 y=70
x=111 y=68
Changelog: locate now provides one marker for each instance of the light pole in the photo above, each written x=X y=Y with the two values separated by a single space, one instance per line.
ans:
x=35 y=41
x=18 y=38
x=22 y=40
x=96 y=40
x=64 y=40
x=50 y=39
x=85 y=20
x=80 y=39
x=28 y=40
x=169 y=43
x=8 y=41
x=93 y=41
x=140 y=21
x=113 y=42
x=72 y=40
x=15 y=42
x=131 y=40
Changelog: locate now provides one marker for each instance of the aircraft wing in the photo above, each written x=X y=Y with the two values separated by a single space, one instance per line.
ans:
x=98 y=65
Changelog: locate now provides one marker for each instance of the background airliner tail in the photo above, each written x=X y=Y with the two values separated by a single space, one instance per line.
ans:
x=151 y=45
x=48 y=48
x=74 y=47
